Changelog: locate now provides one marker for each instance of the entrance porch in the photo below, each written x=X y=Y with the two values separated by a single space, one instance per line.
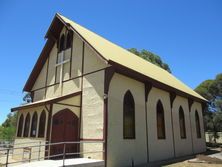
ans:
x=44 y=126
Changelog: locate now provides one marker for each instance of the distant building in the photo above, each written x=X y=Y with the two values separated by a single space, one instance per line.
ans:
x=85 y=88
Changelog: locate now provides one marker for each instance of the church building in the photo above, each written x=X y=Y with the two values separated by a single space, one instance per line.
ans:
x=120 y=108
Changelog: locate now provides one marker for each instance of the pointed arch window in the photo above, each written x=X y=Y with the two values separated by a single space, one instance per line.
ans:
x=182 y=123
x=128 y=116
x=197 y=120
x=27 y=124
x=20 y=126
x=69 y=39
x=160 y=121
x=62 y=43
x=34 y=125
x=42 y=124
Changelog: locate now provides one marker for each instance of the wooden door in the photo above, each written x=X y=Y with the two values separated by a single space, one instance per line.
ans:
x=64 y=129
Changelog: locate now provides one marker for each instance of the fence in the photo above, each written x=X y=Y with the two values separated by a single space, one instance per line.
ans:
x=210 y=137
x=6 y=143
x=64 y=146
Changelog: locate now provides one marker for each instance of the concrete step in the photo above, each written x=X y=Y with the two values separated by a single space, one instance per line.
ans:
x=80 y=162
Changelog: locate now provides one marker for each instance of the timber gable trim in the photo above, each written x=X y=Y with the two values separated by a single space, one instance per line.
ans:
x=38 y=66
x=71 y=79
x=47 y=73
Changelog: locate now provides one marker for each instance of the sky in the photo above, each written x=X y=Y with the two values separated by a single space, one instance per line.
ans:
x=185 y=34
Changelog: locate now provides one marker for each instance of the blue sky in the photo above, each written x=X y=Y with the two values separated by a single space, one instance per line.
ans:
x=186 y=34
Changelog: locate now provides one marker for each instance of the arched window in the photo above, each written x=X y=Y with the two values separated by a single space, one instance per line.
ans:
x=27 y=124
x=34 y=125
x=160 y=121
x=128 y=116
x=20 y=126
x=42 y=124
x=69 y=39
x=62 y=43
x=197 y=120
x=182 y=123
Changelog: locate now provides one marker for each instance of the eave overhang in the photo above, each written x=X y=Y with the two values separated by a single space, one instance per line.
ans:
x=44 y=102
x=145 y=79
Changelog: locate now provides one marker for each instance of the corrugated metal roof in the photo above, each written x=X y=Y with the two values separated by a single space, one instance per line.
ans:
x=115 y=53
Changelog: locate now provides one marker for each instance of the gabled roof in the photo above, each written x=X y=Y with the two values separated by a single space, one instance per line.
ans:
x=115 y=54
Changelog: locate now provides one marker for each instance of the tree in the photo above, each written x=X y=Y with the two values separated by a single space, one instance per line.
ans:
x=212 y=91
x=27 y=97
x=151 y=57
x=8 y=128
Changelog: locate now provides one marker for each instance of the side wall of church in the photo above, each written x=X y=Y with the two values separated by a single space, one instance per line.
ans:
x=198 y=143
x=122 y=151
x=159 y=149
x=183 y=146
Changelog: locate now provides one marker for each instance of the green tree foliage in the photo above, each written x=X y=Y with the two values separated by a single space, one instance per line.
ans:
x=212 y=91
x=27 y=98
x=149 y=56
x=8 y=128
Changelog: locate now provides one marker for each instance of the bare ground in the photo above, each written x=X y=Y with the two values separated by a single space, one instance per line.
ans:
x=192 y=164
x=209 y=159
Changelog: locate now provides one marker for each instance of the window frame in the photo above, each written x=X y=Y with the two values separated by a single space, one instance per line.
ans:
x=41 y=131
x=61 y=43
x=160 y=110
x=20 y=126
x=126 y=110
x=34 y=125
x=182 y=123
x=197 y=123
x=26 y=126
x=69 y=40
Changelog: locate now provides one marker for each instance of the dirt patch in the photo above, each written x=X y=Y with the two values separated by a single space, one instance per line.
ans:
x=199 y=161
x=188 y=164
x=208 y=159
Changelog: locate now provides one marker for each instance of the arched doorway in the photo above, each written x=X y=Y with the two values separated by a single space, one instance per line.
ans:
x=65 y=128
